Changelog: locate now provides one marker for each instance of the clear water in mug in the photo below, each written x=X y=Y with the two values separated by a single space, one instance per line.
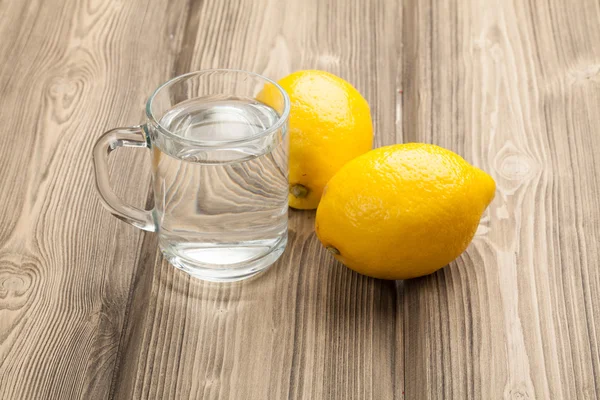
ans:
x=221 y=211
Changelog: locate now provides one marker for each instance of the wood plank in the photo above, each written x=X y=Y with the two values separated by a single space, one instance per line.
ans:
x=71 y=70
x=308 y=328
x=512 y=86
x=88 y=309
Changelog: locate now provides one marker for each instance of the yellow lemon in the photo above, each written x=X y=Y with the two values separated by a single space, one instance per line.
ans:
x=402 y=211
x=330 y=124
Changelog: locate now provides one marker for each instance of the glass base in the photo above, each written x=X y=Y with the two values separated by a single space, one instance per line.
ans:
x=225 y=263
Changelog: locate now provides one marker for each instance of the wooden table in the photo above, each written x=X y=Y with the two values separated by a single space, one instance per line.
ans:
x=90 y=310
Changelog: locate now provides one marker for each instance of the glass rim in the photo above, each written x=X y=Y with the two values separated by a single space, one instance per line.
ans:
x=216 y=143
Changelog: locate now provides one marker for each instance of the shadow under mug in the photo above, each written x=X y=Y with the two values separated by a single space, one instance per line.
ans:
x=218 y=140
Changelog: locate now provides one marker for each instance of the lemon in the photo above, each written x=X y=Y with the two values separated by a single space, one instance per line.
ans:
x=330 y=124
x=402 y=211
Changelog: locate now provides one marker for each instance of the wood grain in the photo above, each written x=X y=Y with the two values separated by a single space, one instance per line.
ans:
x=70 y=70
x=309 y=328
x=89 y=309
x=512 y=86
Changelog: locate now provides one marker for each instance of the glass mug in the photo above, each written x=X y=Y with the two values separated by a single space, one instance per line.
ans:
x=219 y=172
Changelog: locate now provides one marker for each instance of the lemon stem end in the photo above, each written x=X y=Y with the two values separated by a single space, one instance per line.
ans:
x=299 y=191
x=333 y=250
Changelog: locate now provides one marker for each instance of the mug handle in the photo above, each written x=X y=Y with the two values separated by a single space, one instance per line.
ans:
x=111 y=140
